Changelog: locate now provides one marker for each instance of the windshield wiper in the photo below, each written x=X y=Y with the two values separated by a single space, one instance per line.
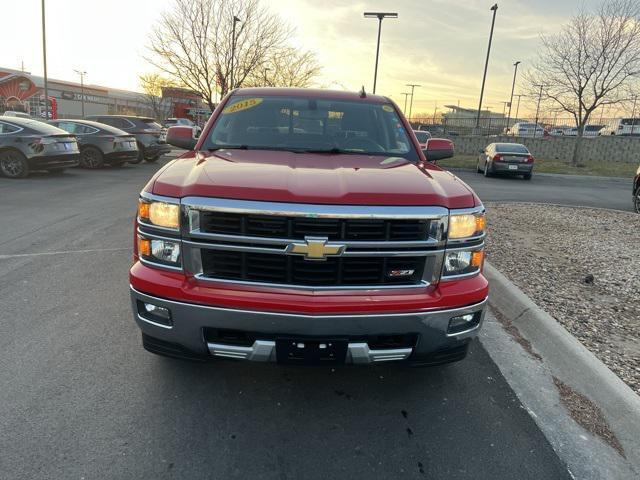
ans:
x=331 y=151
x=228 y=147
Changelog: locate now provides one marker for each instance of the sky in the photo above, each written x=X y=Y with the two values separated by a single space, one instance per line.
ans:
x=438 y=44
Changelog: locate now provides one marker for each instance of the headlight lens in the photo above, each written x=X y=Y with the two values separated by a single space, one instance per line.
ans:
x=466 y=225
x=161 y=214
x=159 y=251
x=462 y=262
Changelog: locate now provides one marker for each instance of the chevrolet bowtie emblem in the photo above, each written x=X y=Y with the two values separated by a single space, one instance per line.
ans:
x=315 y=248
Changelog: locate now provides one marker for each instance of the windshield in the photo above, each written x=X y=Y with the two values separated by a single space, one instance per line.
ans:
x=310 y=124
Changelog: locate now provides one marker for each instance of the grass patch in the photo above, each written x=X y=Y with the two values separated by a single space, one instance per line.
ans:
x=604 y=169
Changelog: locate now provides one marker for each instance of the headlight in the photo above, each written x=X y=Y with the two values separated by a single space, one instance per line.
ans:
x=466 y=225
x=462 y=262
x=164 y=252
x=161 y=214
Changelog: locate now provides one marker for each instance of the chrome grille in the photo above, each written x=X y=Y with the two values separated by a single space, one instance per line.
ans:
x=250 y=242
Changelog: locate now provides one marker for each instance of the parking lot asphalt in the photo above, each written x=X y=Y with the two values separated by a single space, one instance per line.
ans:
x=80 y=398
x=601 y=192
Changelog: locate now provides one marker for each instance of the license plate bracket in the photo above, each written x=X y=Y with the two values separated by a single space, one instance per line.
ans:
x=304 y=351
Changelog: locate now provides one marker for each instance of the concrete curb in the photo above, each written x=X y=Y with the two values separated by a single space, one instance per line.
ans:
x=570 y=361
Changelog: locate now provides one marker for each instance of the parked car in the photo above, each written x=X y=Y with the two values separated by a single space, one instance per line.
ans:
x=267 y=241
x=99 y=143
x=622 y=126
x=27 y=145
x=10 y=113
x=524 y=129
x=506 y=158
x=636 y=191
x=146 y=130
x=590 y=131
x=172 y=122
x=559 y=130
x=422 y=136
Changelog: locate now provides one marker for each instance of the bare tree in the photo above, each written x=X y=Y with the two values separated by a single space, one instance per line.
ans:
x=193 y=43
x=286 y=67
x=593 y=61
x=152 y=84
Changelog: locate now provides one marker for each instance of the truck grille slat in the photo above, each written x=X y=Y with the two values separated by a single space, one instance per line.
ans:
x=285 y=269
x=299 y=227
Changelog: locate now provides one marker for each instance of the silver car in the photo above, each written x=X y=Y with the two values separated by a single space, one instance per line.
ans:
x=506 y=158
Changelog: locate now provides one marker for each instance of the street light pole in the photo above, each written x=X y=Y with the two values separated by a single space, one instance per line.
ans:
x=233 y=48
x=380 y=16
x=633 y=114
x=486 y=63
x=513 y=86
x=404 y=110
x=412 y=85
x=535 y=129
x=82 y=74
x=518 y=106
x=44 y=57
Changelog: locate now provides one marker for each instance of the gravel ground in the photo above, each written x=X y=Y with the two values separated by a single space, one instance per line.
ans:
x=582 y=266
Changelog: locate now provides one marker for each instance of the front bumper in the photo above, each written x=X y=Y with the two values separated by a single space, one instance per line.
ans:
x=187 y=335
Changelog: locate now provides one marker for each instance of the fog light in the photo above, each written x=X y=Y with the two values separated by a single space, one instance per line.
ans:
x=155 y=313
x=464 y=322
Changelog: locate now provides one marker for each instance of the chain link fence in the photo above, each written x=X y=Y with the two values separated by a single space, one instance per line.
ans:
x=547 y=126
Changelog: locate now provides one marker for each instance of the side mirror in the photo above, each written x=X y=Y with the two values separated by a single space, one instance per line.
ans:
x=181 y=136
x=437 y=149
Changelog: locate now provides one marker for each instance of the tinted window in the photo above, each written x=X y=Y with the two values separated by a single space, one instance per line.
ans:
x=150 y=123
x=7 y=128
x=38 y=126
x=294 y=123
x=115 y=122
x=511 y=148
x=422 y=136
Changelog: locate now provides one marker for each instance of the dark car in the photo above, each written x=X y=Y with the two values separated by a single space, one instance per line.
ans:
x=146 y=130
x=422 y=136
x=27 y=145
x=99 y=143
x=506 y=158
x=636 y=191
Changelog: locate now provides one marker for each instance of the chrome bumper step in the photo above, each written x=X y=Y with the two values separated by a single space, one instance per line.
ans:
x=265 y=351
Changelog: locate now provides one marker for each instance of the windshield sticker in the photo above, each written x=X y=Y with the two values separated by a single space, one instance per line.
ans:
x=242 y=105
x=387 y=108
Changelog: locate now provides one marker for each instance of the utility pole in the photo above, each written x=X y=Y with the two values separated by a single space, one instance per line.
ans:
x=518 y=106
x=435 y=109
x=535 y=129
x=633 y=114
x=44 y=57
x=233 y=48
x=82 y=74
x=486 y=63
x=404 y=110
x=380 y=16
x=513 y=86
x=412 y=85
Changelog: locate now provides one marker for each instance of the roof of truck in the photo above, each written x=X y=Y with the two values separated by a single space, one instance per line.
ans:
x=310 y=92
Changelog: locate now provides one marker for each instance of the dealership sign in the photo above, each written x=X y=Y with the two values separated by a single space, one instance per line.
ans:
x=78 y=96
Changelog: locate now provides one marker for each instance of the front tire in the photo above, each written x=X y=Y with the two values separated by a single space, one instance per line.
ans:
x=91 y=157
x=13 y=164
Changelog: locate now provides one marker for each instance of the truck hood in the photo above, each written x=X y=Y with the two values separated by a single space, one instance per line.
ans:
x=278 y=176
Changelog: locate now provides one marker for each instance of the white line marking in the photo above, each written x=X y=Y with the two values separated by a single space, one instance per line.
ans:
x=65 y=252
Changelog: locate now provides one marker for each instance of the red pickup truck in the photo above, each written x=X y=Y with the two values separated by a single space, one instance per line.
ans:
x=308 y=227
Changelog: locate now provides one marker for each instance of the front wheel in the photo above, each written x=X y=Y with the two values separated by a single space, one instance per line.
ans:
x=13 y=164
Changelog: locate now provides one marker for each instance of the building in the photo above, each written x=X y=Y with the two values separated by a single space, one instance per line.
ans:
x=21 y=91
